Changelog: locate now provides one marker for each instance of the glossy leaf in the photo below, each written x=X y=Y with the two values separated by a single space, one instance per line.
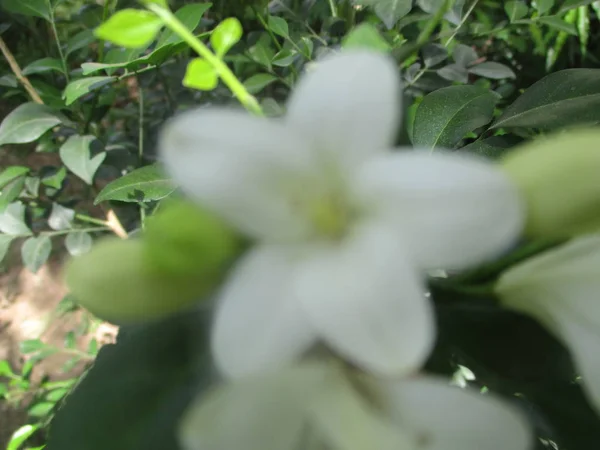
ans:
x=27 y=123
x=258 y=82
x=35 y=8
x=493 y=147
x=142 y=185
x=35 y=252
x=10 y=173
x=130 y=28
x=78 y=243
x=558 y=100
x=43 y=65
x=78 y=88
x=200 y=75
x=492 y=70
x=446 y=115
x=19 y=437
x=61 y=218
x=11 y=192
x=12 y=220
x=226 y=35
x=76 y=155
x=433 y=54
x=278 y=26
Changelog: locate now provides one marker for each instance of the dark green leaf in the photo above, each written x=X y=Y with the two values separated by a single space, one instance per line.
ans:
x=493 y=147
x=160 y=368
x=79 y=41
x=36 y=8
x=572 y=4
x=35 y=251
x=492 y=70
x=190 y=15
x=9 y=80
x=258 y=82
x=454 y=72
x=446 y=115
x=27 y=123
x=130 y=28
x=12 y=220
x=61 y=218
x=433 y=54
x=515 y=10
x=543 y=6
x=11 y=192
x=558 y=100
x=141 y=185
x=78 y=88
x=10 y=173
x=55 y=178
x=226 y=35
x=5 y=241
x=389 y=11
x=76 y=155
x=278 y=26
x=78 y=243
x=464 y=55
x=43 y=65
x=284 y=58
x=558 y=24
x=262 y=53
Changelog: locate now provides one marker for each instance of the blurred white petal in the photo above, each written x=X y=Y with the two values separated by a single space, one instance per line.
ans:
x=454 y=210
x=367 y=302
x=258 y=324
x=348 y=106
x=450 y=418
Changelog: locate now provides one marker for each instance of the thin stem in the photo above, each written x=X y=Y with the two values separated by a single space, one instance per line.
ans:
x=14 y=66
x=141 y=145
x=88 y=219
x=462 y=22
x=228 y=77
x=63 y=60
x=105 y=12
x=333 y=8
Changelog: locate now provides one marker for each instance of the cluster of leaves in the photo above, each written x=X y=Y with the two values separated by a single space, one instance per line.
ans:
x=90 y=94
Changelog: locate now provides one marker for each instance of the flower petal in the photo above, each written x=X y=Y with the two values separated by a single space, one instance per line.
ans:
x=246 y=169
x=258 y=324
x=367 y=302
x=455 y=210
x=349 y=106
x=450 y=418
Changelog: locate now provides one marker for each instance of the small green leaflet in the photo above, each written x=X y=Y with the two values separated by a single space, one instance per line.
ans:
x=226 y=35
x=79 y=88
x=75 y=153
x=130 y=28
x=35 y=251
x=278 y=26
x=43 y=65
x=27 y=123
x=142 y=185
x=200 y=75
x=258 y=82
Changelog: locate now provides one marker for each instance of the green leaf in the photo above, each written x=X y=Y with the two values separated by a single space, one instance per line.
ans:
x=79 y=41
x=78 y=88
x=31 y=345
x=19 y=437
x=389 y=11
x=5 y=241
x=493 y=147
x=446 y=115
x=464 y=55
x=41 y=409
x=278 y=26
x=35 y=251
x=12 y=220
x=9 y=80
x=130 y=28
x=492 y=70
x=43 y=65
x=27 y=123
x=161 y=368
x=142 y=185
x=262 y=53
x=78 y=243
x=190 y=16
x=515 y=10
x=543 y=6
x=558 y=24
x=558 y=100
x=11 y=192
x=433 y=54
x=35 y=8
x=76 y=155
x=226 y=35
x=200 y=75
x=10 y=173
x=454 y=72
x=365 y=36
x=61 y=218
x=572 y=4
x=258 y=82
x=55 y=178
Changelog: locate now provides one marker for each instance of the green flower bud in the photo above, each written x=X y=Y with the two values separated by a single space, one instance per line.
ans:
x=559 y=178
x=114 y=282
x=183 y=239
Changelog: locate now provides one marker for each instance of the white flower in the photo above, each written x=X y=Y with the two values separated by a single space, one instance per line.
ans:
x=344 y=225
x=313 y=407
x=561 y=289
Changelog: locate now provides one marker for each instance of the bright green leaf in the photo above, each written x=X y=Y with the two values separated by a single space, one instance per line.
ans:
x=79 y=88
x=11 y=192
x=558 y=100
x=365 y=36
x=10 y=173
x=27 y=123
x=76 y=155
x=515 y=9
x=35 y=252
x=43 y=65
x=142 y=185
x=55 y=178
x=258 y=82
x=78 y=243
x=130 y=28
x=226 y=35
x=278 y=26
x=446 y=115
x=190 y=16
x=19 y=437
x=200 y=75
x=36 y=8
